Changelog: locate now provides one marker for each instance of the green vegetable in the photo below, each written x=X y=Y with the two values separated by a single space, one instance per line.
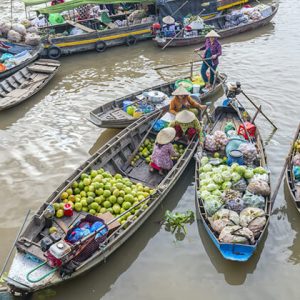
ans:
x=259 y=170
x=176 y=221
x=248 y=174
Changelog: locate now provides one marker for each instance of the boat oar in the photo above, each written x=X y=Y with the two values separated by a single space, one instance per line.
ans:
x=258 y=109
x=180 y=7
x=14 y=244
x=178 y=33
x=176 y=65
x=284 y=167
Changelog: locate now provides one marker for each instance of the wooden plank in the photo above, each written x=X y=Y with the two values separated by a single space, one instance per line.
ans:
x=80 y=26
x=39 y=63
x=41 y=69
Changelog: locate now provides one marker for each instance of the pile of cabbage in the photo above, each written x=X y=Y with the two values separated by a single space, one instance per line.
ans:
x=233 y=195
x=215 y=180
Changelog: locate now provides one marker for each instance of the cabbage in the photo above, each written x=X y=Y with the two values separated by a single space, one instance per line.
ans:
x=207 y=168
x=248 y=174
x=234 y=167
x=214 y=198
x=235 y=177
x=217 y=193
x=226 y=185
x=226 y=176
x=217 y=178
x=204 y=195
x=204 y=160
x=211 y=187
x=205 y=182
x=224 y=168
x=241 y=170
x=212 y=206
x=259 y=170
x=202 y=175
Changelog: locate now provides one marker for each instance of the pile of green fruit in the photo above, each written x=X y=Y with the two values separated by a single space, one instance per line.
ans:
x=99 y=192
x=145 y=151
x=179 y=149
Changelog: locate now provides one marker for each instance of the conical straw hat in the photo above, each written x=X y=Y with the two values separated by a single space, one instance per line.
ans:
x=185 y=116
x=168 y=20
x=212 y=33
x=165 y=136
x=180 y=91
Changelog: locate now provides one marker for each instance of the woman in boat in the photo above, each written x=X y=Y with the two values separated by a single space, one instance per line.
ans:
x=168 y=26
x=163 y=152
x=186 y=126
x=212 y=52
x=183 y=100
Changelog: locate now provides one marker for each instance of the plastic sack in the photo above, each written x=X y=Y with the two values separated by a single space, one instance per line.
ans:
x=296 y=172
x=249 y=152
x=229 y=126
x=6 y=56
x=251 y=200
x=14 y=36
x=221 y=139
x=32 y=29
x=19 y=28
x=254 y=219
x=222 y=218
x=259 y=187
x=136 y=15
x=5 y=28
x=76 y=31
x=263 y=177
x=210 y=144
x=296 y=160
x=231 y=195
x=236 y=205
x=212 y=206
x=32 y=39
x=240 y=186
x=236 y=235
x=26 y=23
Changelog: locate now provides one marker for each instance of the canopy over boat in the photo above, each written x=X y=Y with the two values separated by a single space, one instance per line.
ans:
x=76 y=3
x=193 y=7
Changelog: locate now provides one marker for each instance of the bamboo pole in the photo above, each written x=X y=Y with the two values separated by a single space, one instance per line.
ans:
x=176 y=65
x=257 y=107
x=284 y=167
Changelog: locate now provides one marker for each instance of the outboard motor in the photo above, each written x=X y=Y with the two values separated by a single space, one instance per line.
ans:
x=233 y=89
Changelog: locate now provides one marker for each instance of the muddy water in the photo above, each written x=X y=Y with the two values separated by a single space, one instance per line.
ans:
x=44 y=139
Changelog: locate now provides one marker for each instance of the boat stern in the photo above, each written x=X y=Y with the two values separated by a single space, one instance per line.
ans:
x=236 y=252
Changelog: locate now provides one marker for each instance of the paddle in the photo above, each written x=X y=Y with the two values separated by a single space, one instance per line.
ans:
x=178 y=33
x=14 y=244
x=284 y=167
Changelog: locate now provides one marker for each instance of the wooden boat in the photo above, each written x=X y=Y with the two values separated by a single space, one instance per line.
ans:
x=230 y=251
x=26 y=82
x=111 y=114
x=292 y=183
x=218 y=23
x=92 y=34
x=15 y=49
x=112 y=157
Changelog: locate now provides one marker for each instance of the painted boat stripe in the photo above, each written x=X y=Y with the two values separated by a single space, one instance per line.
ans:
x=232 y=4
x=106 y=38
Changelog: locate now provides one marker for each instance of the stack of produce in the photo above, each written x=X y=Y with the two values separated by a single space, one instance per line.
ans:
x=296 y=160
x=146 y=149
x=234 y=197
x=20 y=32
x=216 y=142
x=99 y=192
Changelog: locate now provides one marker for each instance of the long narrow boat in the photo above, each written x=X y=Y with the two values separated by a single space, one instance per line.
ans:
x=30 y=271
x=238 y=251
x=15 y=49
x=292 y=183
x=92 y=34
x=26 y=82
x=218 y=23
x=112 y=115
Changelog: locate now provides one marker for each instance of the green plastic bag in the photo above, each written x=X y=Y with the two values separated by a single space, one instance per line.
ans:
x=55 y=19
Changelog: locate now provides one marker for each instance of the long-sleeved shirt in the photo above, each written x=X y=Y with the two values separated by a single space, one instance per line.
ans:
x=215 y=49
x=176 y=105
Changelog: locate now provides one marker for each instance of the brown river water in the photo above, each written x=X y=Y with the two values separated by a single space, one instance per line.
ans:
x=43 y=140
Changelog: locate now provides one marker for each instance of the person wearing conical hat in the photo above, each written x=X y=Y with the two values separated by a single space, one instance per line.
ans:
x=182 y=100
x=163 y=151
x=212 y=52
x=186 y=126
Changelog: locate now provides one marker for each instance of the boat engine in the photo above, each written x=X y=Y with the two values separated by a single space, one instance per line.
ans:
x=232 y=89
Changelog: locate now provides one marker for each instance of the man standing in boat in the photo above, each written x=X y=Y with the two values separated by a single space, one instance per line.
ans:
x=212 y=50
